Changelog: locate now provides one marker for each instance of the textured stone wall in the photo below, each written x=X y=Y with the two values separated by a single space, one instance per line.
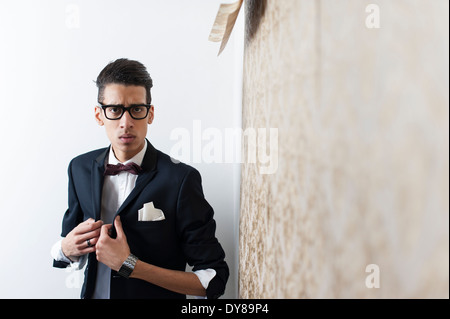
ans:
x=363 y=150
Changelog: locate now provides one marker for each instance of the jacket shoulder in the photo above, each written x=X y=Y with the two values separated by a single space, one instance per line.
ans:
x=167 y=163
x=88 y=157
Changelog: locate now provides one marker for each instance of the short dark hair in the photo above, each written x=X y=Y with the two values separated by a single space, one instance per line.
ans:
x=127 y=72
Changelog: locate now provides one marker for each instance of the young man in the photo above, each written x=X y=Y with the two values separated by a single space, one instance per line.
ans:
x=134 y=215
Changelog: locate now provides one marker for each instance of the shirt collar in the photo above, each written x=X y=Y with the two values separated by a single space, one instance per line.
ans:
x=138 y=158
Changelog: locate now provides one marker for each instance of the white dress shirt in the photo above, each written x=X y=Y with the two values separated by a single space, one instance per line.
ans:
x=116 y=189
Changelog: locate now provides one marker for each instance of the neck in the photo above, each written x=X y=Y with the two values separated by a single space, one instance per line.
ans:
x=123 y=156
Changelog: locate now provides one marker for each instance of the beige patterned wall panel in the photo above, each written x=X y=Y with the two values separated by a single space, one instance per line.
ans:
x=363 y=135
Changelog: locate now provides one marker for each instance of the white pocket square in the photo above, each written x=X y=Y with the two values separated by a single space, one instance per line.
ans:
x=149 y=213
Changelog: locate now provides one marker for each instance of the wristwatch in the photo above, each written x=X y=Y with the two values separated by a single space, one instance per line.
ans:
x=128 y=266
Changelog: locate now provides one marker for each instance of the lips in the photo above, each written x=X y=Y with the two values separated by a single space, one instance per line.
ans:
x=127 y=138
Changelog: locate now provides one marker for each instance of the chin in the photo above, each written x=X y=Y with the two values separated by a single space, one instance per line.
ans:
x=129 y=146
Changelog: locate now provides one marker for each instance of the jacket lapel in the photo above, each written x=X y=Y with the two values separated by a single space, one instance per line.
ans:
x=98 y=167
x=149 y=171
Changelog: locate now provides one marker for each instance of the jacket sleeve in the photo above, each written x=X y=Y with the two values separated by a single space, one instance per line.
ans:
x=196 y=228
x=72 y=217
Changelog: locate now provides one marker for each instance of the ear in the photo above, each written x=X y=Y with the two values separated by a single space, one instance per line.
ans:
x=151 y=115
x=99 y=116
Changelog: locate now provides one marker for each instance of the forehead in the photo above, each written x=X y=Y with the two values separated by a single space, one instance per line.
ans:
x=124 y=94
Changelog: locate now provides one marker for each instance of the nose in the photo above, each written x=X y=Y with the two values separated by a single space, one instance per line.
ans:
x=126 y=121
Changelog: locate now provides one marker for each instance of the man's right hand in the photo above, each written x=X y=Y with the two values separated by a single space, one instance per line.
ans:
x=75 y=244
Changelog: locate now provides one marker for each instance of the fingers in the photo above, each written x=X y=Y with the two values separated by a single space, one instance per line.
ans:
x=87 y=230
x=95 y=232
x=81 y=247
x=91 y=242
x=75 y=243
x=87 y=226
x=112 y=251
x=86 y=249
x=89 y=235
x=119 y=229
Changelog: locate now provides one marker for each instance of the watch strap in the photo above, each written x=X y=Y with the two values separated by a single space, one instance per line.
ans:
x=128 y=266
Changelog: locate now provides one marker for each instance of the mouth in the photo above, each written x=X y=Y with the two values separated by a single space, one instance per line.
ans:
x=127 y=138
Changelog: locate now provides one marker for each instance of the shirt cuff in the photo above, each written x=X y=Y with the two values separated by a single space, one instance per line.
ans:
x=205 y=276
x=58 y=255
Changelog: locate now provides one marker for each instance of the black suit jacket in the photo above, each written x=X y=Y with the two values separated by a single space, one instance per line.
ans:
x=187 y=235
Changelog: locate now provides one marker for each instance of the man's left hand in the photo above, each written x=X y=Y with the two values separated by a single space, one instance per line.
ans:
x=112 y=252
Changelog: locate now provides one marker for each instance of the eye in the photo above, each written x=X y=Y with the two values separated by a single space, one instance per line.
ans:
x=138 y=109
x=114 y=110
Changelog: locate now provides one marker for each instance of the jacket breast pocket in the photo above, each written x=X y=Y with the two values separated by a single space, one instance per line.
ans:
x=153 y=232
x=153 y=241
x=157 y=224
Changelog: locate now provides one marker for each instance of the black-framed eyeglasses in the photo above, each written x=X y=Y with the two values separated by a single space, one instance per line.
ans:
x=115 y=112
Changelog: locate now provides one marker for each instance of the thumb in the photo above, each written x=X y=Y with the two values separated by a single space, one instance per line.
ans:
x=104 y=231
x=119 y=229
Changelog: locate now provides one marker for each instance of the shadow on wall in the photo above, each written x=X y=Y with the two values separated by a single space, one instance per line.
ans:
x=255 y=10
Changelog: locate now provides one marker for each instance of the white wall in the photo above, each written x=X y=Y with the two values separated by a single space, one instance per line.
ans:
x=50 y=53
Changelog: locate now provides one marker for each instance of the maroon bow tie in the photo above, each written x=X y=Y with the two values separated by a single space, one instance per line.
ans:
x=132 y=168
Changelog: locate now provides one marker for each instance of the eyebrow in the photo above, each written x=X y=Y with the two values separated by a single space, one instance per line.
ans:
x=131 y=105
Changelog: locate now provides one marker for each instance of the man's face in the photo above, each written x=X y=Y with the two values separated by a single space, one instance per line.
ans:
x=127 y=135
